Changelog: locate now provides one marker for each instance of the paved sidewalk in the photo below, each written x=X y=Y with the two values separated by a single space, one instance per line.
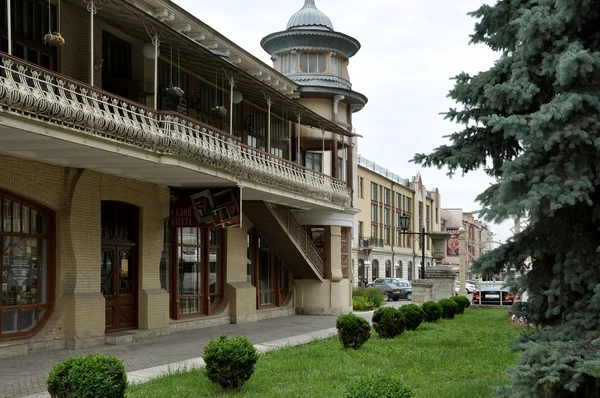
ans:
x=26 y=375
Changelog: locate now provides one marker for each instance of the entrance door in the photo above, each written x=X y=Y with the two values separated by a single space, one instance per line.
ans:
x=119 y=265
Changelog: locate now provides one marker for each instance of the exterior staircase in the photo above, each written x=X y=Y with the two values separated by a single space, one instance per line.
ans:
x=287 y=238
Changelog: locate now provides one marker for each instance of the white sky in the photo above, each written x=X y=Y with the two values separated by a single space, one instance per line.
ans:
x=410 y=50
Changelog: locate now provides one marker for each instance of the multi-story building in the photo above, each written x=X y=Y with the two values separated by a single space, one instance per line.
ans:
x=154 y=176
x=381 y=248
x=478 y=238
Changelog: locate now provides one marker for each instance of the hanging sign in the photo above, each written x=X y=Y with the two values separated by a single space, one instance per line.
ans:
x=452 y=243
x=206 y=207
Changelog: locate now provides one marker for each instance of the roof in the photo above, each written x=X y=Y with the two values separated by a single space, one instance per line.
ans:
x=310 y=16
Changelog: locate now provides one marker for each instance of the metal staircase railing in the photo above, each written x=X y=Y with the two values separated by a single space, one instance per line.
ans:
x=299 y=235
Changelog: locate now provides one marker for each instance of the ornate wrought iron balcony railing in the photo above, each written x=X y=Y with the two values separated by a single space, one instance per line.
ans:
x=371 y=242
x=26 y=89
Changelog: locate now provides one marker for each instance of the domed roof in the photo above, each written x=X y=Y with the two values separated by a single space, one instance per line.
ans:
x=310 y=17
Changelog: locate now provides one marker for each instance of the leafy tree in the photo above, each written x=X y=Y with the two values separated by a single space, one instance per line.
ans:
x=532 y=123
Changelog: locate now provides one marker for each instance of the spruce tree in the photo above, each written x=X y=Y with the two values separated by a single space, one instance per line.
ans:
x=532 y=122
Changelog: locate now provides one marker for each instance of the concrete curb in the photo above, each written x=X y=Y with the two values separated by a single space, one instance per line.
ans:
x=144 y=375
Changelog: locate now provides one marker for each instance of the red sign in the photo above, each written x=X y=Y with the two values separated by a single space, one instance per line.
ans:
x=452 y=244
x=206 y=207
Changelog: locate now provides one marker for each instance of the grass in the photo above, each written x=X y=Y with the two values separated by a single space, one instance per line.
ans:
x=463 y=357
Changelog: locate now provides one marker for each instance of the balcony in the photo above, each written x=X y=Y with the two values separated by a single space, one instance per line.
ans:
x=30 y=92
x=370 y=242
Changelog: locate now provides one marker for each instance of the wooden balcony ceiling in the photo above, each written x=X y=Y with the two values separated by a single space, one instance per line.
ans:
x=199 y=59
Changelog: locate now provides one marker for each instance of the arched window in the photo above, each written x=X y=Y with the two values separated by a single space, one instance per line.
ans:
x=26 y=233
x=399 y=270
x=375 y=269
x=197 y=271
x=266 y=272
x=388 y=268
x=410 y=270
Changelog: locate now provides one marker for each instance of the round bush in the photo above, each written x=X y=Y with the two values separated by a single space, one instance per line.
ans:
x=413 y=315
x=362 y=303
x=432 y=310
x=449 y=308
x=462 y=302
x=378 y=386
x=230 y=362
x=88 y=376
x=388 y=322
x=353 y=330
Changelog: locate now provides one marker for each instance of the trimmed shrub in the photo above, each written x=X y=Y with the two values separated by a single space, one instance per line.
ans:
x=432 y=310
x=88 y=376
x=388 y=322
x=462 y=303
x=413 y=315
x=378 y=386
x=449 y=308
x=230 y=362
x=353 y=330
x=372 y=293
x=362 y=303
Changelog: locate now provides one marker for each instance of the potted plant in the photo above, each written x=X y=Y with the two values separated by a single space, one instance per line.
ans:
x=220 y=110
x=175 y=91
x=54 y=39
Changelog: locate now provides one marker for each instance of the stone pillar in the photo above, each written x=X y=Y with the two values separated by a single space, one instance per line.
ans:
x=421 y=291
x=442 y=280
x=333 y=250
x=462 y=261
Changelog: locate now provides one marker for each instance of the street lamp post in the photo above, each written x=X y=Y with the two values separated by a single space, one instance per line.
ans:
x=436 y=237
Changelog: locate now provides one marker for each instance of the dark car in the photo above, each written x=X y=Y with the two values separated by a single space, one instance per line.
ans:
x=395 y=291
x=491 y=295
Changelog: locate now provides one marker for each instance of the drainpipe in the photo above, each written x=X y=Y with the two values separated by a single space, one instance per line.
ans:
x=9 y=17
x=92 y=9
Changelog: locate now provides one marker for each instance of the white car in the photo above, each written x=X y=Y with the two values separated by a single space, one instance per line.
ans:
x=470 y=288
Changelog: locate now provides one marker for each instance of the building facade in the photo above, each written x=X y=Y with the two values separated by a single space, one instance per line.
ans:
x=478 y=238
x=155 y=177
x=381 y=248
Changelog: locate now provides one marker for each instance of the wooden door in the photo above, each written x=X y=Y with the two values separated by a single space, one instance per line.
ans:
x=119 y=268
x=118 y=287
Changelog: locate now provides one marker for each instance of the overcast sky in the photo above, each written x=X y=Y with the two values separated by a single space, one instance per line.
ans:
x=410 y=50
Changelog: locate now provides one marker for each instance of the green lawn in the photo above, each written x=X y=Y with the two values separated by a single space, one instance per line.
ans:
x=462 y=357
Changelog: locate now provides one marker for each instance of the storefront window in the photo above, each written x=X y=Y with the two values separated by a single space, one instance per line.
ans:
x=198 y=271
x=24 y=266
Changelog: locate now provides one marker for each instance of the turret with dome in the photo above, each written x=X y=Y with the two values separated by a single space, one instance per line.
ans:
x=316 y=57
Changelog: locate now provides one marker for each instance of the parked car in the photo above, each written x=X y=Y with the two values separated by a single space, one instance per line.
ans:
x=390 y=280
x=469 y=287
x=491 y=295
x=395 y=291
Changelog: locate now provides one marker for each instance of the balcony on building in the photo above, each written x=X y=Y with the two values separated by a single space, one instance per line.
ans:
x=115 y=102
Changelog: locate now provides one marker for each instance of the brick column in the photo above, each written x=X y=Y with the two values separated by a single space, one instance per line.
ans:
x=240 y=295
x=79 y=253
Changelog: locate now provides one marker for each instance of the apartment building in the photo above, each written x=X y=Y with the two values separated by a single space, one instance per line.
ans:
x=382 y=248
x=156 y=177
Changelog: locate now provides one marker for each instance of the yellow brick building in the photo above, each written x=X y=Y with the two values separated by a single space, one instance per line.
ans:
x=381 y=247
x=156 y=177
